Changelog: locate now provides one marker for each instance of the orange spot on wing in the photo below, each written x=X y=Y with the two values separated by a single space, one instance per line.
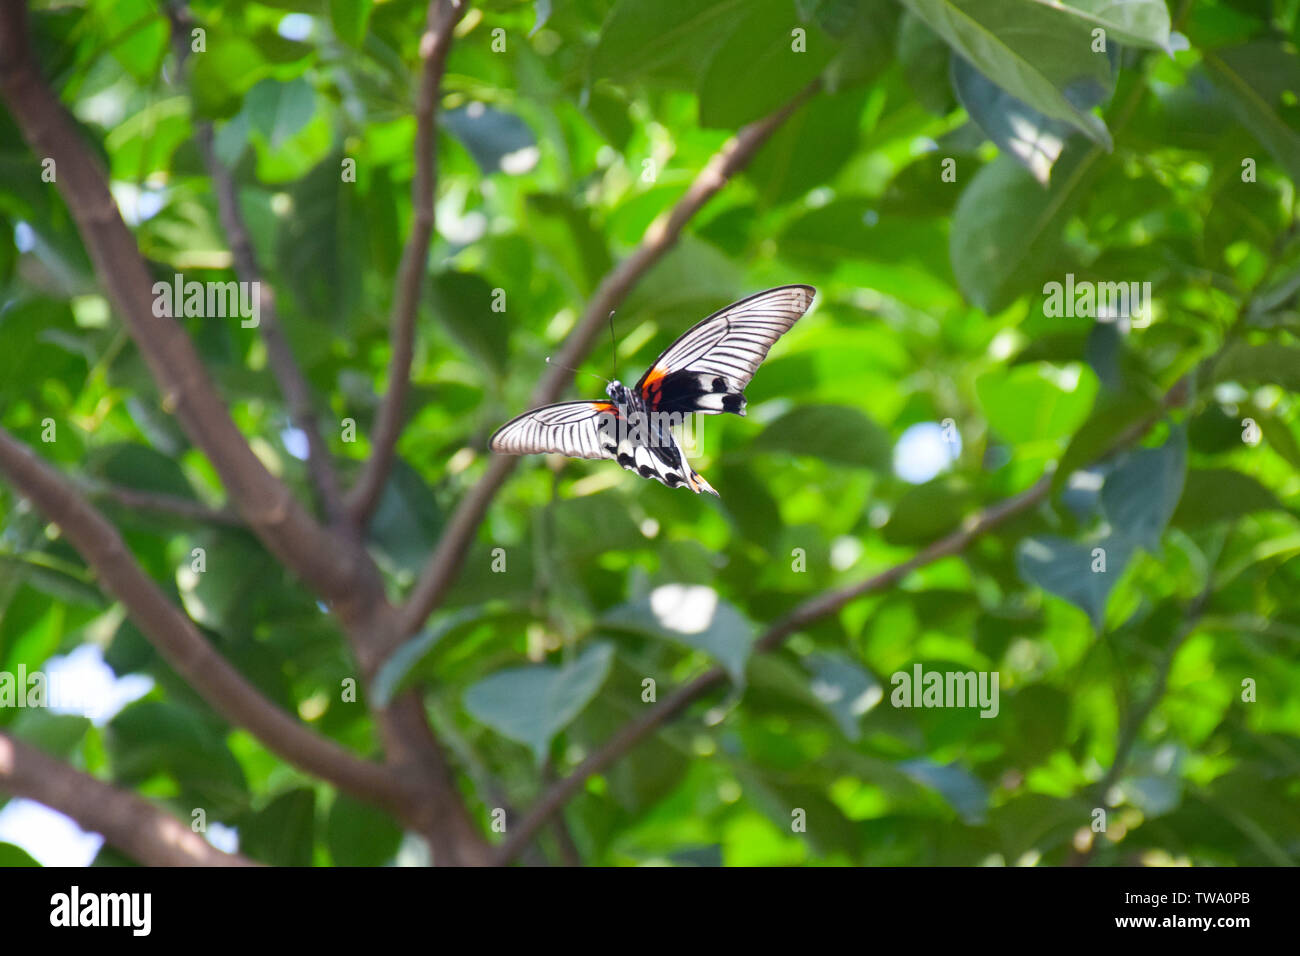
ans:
x=654 y=382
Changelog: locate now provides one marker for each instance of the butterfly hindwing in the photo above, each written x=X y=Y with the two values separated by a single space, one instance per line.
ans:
x=576 y=429
x=707 y=368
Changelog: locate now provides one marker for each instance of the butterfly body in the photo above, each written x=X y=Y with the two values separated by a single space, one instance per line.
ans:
x=638 y=435
x=704 y=372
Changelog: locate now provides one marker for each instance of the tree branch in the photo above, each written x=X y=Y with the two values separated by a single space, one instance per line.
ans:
x=267 y=505
x=292 y=382
x=663 y=233
x=178 y=639
x=434 y=46
x=137 y=828
x=164 y=504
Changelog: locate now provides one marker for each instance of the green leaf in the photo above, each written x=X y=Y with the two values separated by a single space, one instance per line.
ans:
x=1136 y=22
x=666 y=39
x=404 y=661
x=235 y=572
x=11 y=855
x=1113 y=413
x=498 y=141
x=151 y=737
x=278 y=110
x=1279 y=436
x=1034 y=140
x=282 y=833
x=564 y=233
x=846 y=690
x=1257 y=78
x=463 y=303
x=854 y=229
x=139 y=467
x=358 y=834
x=691 y=615
x=691 y=281
x=32 y=354
x=926 y=511
x=222 y=74
x=531 y=705
x=1006 y=229
x=350 y=19
x=317 y=248
x=1142 y=491
x=59 y=735
x=810 y=147
x=924 y=57
x=1063 y=568
x=756 y=69
x=1036 y=402
x=1221 y=494
x=834 y=433
x=1031 y=50
x=407 y=521
x=1271 y=364
x=962 y=790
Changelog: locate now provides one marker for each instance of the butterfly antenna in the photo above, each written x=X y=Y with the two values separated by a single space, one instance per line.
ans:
x=614 y=343
x=576 y=371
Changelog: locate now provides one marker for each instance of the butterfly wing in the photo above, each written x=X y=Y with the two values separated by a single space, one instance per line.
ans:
x=576 y=429
x=649 y=448
x=707 y=369
x=592 y=430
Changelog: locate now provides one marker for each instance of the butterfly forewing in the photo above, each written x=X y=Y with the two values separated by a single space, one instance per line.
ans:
x=576 y=429
x=707 y=369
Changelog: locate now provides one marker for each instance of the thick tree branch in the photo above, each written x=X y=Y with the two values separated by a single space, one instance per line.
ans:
x=178 y=639
x=434 y=46
x=663 y=233
x=140 y=830
x=267 y=505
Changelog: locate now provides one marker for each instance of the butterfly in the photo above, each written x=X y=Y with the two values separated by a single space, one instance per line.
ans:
x=705 y=370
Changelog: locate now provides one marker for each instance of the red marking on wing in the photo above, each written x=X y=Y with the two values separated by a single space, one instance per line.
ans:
x=652 y=390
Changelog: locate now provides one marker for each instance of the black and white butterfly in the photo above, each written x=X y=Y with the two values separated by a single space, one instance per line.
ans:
x=706 y=370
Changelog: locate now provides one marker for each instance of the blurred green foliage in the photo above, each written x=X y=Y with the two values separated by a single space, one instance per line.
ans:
x=962 y=154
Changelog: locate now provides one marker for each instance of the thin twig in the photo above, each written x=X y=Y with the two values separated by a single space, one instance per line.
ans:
x=288 y=375
x=164 y=504
x=434 y=46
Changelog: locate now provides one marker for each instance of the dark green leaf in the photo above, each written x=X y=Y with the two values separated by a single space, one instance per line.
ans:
x=834 y=433
x=531 y=705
